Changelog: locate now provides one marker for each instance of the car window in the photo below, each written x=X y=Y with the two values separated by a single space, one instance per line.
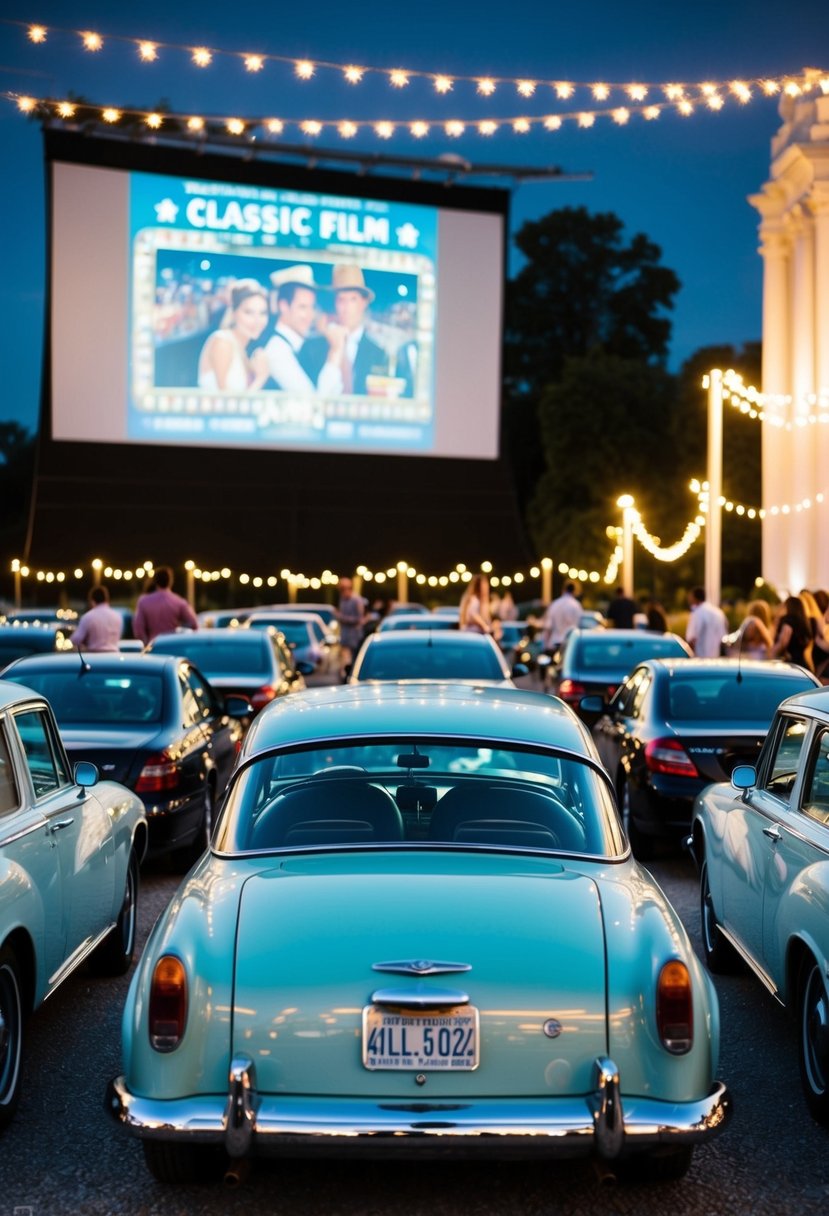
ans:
x=816 y=780
x=704 y=696
x=782 y=767
x=43 y=755
x=9 y=800
x=420 y=791
x=96 y=698
x=454 y=661
x=202 y=694
x=190 y=707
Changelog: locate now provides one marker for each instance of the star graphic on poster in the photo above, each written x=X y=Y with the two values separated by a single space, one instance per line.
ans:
x=166 y=211
x=408 y=236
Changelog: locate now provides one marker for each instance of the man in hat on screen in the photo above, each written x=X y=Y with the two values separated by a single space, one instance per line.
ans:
x=296 y=301
x=362 y=356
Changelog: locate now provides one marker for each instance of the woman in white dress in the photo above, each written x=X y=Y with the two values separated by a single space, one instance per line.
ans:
x=224 y=363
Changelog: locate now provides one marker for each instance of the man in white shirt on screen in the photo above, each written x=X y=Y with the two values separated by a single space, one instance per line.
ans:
x=296 y=303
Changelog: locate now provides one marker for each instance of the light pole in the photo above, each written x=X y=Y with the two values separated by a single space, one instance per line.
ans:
x=713 y=526
x=546 y=579
x=626 y=502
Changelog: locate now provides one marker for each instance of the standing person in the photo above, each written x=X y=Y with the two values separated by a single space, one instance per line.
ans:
x=656 y=618
x=707 y=626
x=296 y=302
x=351 y=613
x=793 y=639
x=99 y=628
x=161 y=610
x=474 y=614
x=621 y=610
x=755 y=640
x=361 y=356
x=224 y=363
x=562 y=615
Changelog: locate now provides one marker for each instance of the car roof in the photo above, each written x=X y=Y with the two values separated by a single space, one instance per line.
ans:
x=458 y=710
x=269 y=614
x=764 y=668
x=421 y=637
x=104 y=660
x=207 y=637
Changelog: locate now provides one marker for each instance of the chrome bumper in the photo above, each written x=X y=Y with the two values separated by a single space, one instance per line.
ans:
x=246 y=1123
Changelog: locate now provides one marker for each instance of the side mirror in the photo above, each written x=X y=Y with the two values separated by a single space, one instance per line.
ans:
x=86 y=774
x=520 y=669
x=305 y=668
x=238 y=707
x=744 y=777
x=594 y=704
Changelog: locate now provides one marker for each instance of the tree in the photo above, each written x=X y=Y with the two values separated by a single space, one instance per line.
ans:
x=583 y=290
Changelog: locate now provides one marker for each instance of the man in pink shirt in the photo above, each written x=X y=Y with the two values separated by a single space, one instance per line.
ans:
x=162 y=611
x=100 y=627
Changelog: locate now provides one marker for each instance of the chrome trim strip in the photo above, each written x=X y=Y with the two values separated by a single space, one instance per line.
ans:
x=418 y=966
x=554 y=1127
x=762 y=975
x=421 y=996
x=19 y=835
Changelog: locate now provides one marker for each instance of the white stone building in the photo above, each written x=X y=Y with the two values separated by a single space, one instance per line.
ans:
x=794 y=243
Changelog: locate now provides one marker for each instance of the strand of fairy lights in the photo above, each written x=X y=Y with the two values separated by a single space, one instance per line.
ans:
x=667 y=553
x=772 y=407
x=48 y=108
x=700 y=488
x=149 y=51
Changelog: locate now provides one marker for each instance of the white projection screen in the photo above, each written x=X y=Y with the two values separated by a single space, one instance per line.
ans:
x=216 y=314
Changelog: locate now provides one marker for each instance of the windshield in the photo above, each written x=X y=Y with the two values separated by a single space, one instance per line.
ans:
x=231 y=657
x=620 y=655
x=294 y=632
x=97 y=698
x=390 y=660
x=419 y=791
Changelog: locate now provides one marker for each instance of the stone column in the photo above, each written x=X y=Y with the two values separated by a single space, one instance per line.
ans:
x=819 y=200
x=803 y=436
x=774 y=249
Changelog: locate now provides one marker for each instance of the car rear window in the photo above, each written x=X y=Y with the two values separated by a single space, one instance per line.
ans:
x=620 y=655
x=239 y=655
x=710 y=697
x=423 y=791
x=389 y=661
x=295 y=632
x=98 y=698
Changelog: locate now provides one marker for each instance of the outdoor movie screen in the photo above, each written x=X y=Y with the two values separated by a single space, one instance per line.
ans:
x=200 y=312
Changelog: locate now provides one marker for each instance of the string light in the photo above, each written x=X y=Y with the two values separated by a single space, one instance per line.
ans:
x=37 y=33
x=254 y=63
x=304 y=69
x=92 y=41
x=353 y=74
x=201 y=57
x=148 y=51
x=526 y=87
x=486 y=86
x=443 y=84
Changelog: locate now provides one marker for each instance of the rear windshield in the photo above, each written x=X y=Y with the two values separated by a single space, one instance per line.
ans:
x=98 y=698
x=236 y=656
x=709 y=697
x=405 y=791
x=294 y=632
x=393 y=661
x=620 y=655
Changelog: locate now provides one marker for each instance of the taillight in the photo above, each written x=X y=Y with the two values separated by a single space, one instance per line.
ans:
x=670 y=757
x=675 y=1008
x=571 y=690
x=168 y=1003
x=263 y=696
x=159 y=773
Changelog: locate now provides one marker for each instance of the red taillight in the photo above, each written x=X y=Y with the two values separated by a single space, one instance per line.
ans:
x=670 y=757
x=675 y=1008
x=168 y=1003
x=263 y=696
x=159 y=773
x=571 y=691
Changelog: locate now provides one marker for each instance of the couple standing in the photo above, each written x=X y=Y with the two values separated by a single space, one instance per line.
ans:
x=335 y=361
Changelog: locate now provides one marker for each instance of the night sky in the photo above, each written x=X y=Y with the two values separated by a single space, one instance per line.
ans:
x=681 y=181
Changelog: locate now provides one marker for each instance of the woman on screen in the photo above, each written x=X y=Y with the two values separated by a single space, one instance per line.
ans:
x=224 y=363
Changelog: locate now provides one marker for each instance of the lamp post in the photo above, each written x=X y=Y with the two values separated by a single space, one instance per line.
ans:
x=190 y=567
x=626 y=502
x=403 y=582
x=546 y=579
x=713 y=526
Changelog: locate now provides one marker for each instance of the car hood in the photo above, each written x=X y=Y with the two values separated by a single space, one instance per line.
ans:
x=310 y=937
x=117 y=753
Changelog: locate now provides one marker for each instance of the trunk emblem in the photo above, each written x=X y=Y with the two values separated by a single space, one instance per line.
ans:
x=552 y=1028
x=418 y=966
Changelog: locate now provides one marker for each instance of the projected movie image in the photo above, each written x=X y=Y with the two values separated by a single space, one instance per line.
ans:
x=260 y=315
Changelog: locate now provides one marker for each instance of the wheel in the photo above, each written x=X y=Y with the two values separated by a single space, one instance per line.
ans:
x=11 y=1035
x=662 y=1165
x=720 y=955
x=642 y=845
x=813 y=1036
x=182 y=1163
x=115 y=953
x=187 y=856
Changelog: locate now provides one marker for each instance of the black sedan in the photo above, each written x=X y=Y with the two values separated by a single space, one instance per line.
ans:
x=252 y=663
x=675 y=726
x=151 y=722
x=597 y=660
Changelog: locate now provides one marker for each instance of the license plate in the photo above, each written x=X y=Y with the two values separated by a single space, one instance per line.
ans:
x=443 y=1041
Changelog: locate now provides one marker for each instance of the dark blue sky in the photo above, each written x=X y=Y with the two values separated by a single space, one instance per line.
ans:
x=682 y=181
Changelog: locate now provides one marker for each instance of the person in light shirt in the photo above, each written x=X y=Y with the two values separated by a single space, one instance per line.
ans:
x=100 y=628
x=563 y=614
x=707 y=626
x=161 y=610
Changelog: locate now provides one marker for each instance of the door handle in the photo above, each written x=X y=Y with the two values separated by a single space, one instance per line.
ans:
x=59 y=824
x=773 y=833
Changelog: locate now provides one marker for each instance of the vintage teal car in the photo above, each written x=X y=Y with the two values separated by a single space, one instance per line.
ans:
x=70 y=848
x=420 y=929
x=762 y=845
